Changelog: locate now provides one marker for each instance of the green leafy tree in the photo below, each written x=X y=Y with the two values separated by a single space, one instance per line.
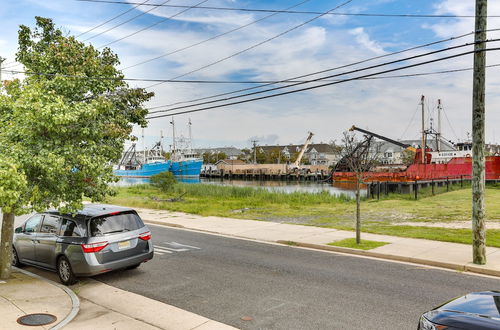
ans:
x=275 y=156
x=60 y=130
x=164 y=180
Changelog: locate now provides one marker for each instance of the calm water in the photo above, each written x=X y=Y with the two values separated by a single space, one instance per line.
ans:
x=285 y=186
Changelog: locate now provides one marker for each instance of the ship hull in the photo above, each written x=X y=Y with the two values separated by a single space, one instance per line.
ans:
x=186 y=168
x=460 y=167
x=146 y=170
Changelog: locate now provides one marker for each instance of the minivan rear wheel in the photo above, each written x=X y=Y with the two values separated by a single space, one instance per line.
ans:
x=15 y=259
x=65 y=271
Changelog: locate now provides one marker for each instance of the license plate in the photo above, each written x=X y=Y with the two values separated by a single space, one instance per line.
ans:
x=123 y=245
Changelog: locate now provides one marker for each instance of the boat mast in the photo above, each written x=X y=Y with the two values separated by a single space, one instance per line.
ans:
x=143 y=148
x=190 y=136
x=161 y=143
x=423 y=129
x=173 y=137
x=439 y=126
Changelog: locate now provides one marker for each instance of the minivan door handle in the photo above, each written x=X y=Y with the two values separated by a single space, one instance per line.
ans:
x=35 y=241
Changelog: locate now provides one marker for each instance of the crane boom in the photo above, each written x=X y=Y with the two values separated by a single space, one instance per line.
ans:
x=403 y=145
x=304 y=147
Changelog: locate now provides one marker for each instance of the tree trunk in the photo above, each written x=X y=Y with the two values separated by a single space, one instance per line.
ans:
x=358 y=214
x=6 y=245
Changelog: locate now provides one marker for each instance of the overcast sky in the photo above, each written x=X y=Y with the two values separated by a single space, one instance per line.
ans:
x=386 y=106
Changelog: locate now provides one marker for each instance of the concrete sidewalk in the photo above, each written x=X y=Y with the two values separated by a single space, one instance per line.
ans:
x=100 y=306
x=24 y=294
x=433 y=253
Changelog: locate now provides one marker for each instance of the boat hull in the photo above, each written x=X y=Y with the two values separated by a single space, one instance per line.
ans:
x=460 y=167
x=186 y=168
x=146 y=170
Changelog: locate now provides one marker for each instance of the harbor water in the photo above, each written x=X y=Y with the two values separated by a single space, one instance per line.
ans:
x=337 y=188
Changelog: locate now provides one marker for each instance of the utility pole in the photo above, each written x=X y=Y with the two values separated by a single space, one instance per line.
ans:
x=478 y=119
x=254 y=142
x=423 y=129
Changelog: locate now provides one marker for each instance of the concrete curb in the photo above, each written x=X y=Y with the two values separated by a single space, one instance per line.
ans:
x=456 y=267
x=74 y=299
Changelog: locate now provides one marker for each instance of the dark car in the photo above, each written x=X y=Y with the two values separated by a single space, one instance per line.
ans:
x=474 y=311
x=98 y=239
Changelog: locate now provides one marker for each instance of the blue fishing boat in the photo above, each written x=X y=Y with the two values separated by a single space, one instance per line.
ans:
x=152 y=162
x=184 y=162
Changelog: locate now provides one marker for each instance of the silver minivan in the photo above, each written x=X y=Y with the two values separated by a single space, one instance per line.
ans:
x=97 y=239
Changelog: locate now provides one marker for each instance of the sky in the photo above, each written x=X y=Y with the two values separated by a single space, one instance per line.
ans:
x=314 y=43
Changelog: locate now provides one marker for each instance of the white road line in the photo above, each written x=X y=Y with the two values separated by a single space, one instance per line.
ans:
x=189 y=246
x=174 y=250
x=162 y=249
x=159 y=253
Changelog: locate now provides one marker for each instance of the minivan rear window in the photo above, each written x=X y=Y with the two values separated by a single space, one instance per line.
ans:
x=117 y=223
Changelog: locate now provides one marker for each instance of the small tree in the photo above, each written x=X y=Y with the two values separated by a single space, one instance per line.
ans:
x=407 y=157
x=61 y=127
x=360 y=157
x=164 y=180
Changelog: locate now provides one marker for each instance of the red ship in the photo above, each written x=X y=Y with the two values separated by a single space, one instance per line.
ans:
x=424 y=168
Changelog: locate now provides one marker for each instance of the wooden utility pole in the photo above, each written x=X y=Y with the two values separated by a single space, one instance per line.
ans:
x=478 y=119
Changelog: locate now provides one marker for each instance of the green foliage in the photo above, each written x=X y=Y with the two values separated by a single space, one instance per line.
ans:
x=59 y=135
x=212 y=158
x=164 y=180
x=363 y=245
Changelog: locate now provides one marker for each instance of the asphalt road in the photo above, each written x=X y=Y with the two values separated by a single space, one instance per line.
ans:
x=282 y=287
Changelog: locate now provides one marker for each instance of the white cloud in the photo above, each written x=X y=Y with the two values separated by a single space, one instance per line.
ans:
x=364 y=40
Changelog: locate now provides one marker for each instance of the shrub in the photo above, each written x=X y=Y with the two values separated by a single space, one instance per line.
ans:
x=164 y=180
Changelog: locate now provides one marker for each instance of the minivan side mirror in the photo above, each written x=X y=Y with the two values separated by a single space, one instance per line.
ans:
x=19 y=230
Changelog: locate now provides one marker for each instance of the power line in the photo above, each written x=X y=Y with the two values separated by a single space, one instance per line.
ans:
x=211 y=38
x=154 y=24
x=319 y=86
x=125 y=22
x=299 y=12
x=326 y=70
x=111 y=19
x=321 y=78
x=232 y=81
x=258 y=44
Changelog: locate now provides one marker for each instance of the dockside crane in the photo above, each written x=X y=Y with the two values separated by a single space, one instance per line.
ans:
x=296 y=165
x=403 y=145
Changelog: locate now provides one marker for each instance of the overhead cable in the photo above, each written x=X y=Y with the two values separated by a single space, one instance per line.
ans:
x=112 y=19
x=122 y=23
x=232 y=81
x=325 y=77
x=258 y=44
x=211 y=38
x=322 y=85
x=151 y=25
x=300 y=12
x=326 y=70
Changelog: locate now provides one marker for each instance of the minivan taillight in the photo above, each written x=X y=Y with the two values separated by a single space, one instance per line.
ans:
x=94 y=247
x=145 y=236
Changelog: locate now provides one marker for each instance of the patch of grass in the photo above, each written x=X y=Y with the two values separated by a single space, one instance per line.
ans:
x=383 y=216
x=363 y=245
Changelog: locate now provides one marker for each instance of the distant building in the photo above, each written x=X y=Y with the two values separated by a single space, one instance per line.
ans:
x=230 y=152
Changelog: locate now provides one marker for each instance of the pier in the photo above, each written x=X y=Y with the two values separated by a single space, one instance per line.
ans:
x=263 y=175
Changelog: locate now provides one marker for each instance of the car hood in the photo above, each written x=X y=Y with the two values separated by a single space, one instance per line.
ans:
x=478 y=310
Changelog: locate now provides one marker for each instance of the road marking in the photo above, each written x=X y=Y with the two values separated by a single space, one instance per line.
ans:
x=159 y=253
x=178 y=244
x=162 y=249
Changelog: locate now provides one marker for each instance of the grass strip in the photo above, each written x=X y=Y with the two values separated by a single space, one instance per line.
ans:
x=363 y=245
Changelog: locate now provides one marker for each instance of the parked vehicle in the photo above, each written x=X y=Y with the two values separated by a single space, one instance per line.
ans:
x=474 y=311
x=98 y=239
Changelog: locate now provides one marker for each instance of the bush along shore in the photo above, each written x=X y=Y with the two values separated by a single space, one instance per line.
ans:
x=443 y=217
